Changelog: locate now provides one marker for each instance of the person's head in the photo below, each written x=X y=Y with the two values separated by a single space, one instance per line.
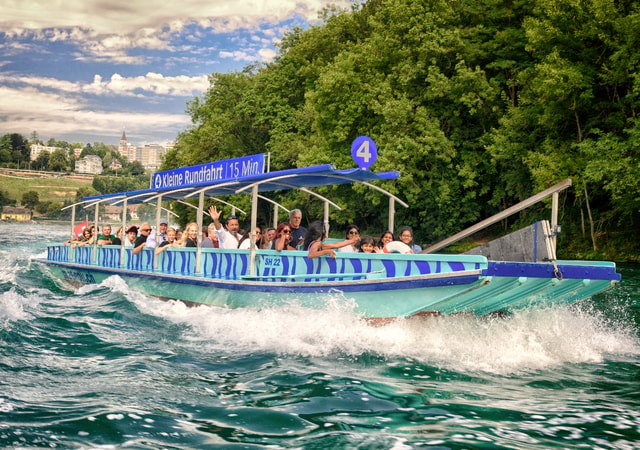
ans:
x=106 y=230
x=92 y=228
x=86 y=233
x=314 y=232
x=284 y=229
x=385 y=238
x=145 y=229
x=163 y=228
x=132 y=233
x=191 y=230
x=258 y=233
x=171 y=234
x=352 y=232
x=119 y=232
x=366 y=244
x=270 y=234
x=295 y=217
x=233 y=225
x=406 y=235
x=178 y=235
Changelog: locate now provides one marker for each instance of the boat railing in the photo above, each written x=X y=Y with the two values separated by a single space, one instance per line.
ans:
x=271 y=265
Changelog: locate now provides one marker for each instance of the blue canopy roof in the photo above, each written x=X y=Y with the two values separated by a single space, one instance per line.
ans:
x=321 y=175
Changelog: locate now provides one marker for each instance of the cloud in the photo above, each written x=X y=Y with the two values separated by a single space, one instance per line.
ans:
x=107 y=31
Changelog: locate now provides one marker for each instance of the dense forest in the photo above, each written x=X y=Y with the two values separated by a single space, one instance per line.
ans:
x=478 y=103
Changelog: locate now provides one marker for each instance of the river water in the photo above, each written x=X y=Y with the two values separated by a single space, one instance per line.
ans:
x=106 y=367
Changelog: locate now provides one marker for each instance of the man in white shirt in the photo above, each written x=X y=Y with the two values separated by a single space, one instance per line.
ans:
x=152 y=241
x=229 y=237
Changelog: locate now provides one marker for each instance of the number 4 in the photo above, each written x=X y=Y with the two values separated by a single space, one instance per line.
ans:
x=364 y=152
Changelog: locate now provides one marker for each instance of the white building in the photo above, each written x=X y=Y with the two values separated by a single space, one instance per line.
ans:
x=36 y=149
x=89 y=164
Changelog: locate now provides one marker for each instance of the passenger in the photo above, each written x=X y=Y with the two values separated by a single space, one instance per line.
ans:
x=297 y=230
x=385 y=238
x=118 y=239
x=245 y=242
x=366 y=245
x=132 y=235
x=352 y=231
x=314 y=245
x=106 y=238
x=190 y=236
x=84 y=238
x=406 y=237
x=178 y=235
x=169 y=242
x=229 y=237
x=283 y=238
x=154 y=242
x=141 y=241
x=269 y=236
x=211 y=241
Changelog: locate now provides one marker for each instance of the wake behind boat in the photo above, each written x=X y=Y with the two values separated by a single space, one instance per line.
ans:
x=383 y=286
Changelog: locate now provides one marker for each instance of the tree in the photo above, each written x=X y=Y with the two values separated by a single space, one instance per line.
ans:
x=30 y=199
x=58 y=161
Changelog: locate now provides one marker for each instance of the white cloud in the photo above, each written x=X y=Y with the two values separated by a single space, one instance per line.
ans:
x=106 y=31
x=151 y=83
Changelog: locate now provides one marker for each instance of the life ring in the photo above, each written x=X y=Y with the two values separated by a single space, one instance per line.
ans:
x=397 y=247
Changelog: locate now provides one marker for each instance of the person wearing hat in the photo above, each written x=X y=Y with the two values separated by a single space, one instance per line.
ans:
x=131 y=235
x=152 y=242
x=229 y=237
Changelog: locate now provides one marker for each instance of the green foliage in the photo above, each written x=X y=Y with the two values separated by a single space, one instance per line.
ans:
x=478 y=103
x=30 y=199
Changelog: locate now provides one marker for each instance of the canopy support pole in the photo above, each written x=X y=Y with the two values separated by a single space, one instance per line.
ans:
x=124 y=231
x=73 y=236
x=392 y=214
x=94 y=257
x=254 y=224
x=158 y=212
x=325 y=219
x=199 y=236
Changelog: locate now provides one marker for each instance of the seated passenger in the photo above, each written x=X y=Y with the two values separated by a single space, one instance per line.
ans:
x=190 y=236
x=385 y=238
x=366 y=245
x=106 y=238
x=314 y=245
x=245 y=242
x=211 y=241
x=406 y=237
x=352 y=231
x=283 y=238
x=132 y=235
x=169 y=242
x=118 y=239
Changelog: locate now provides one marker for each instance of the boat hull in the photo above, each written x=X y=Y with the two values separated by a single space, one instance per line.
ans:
x=378 y=286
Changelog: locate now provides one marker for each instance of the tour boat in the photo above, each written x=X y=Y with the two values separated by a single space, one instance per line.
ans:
x=380 y=286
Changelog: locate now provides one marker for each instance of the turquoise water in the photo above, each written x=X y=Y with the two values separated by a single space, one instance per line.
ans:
x=106 y=367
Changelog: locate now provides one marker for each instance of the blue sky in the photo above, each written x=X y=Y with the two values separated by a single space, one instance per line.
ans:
x=85 y=70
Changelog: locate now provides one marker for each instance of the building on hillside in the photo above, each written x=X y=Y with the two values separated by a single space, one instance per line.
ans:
x=89 y=164
x=113 y=213
x=36 y=149
x=15 y=214
x=115 y=165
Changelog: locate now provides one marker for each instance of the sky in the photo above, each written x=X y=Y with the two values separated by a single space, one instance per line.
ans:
x=87 y=70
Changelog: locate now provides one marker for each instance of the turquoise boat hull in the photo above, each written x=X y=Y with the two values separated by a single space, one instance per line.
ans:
x=380 y=286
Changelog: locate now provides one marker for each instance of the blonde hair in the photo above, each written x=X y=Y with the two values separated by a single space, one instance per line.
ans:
x=185 y=234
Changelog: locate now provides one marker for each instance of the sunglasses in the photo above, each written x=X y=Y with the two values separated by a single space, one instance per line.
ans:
x=286 y=231
x=354 y=232
x=145 y=229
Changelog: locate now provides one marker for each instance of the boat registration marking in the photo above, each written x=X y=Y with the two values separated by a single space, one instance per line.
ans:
x=75 y=275
x=272 y=262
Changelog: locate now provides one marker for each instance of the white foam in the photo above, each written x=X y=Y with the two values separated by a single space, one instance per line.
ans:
x=12 y=306
x=529 y=340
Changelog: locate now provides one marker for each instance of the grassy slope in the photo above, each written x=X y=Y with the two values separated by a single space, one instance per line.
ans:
x=48 y=189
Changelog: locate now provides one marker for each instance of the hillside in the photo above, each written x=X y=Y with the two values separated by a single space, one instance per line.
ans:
x=49 y=186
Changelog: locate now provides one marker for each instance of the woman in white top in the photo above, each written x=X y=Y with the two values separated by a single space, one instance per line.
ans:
x=353 y=233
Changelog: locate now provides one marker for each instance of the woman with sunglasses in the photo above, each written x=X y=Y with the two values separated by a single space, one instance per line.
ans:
x=352 y=232
x=283 y=238
x=314 y=245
